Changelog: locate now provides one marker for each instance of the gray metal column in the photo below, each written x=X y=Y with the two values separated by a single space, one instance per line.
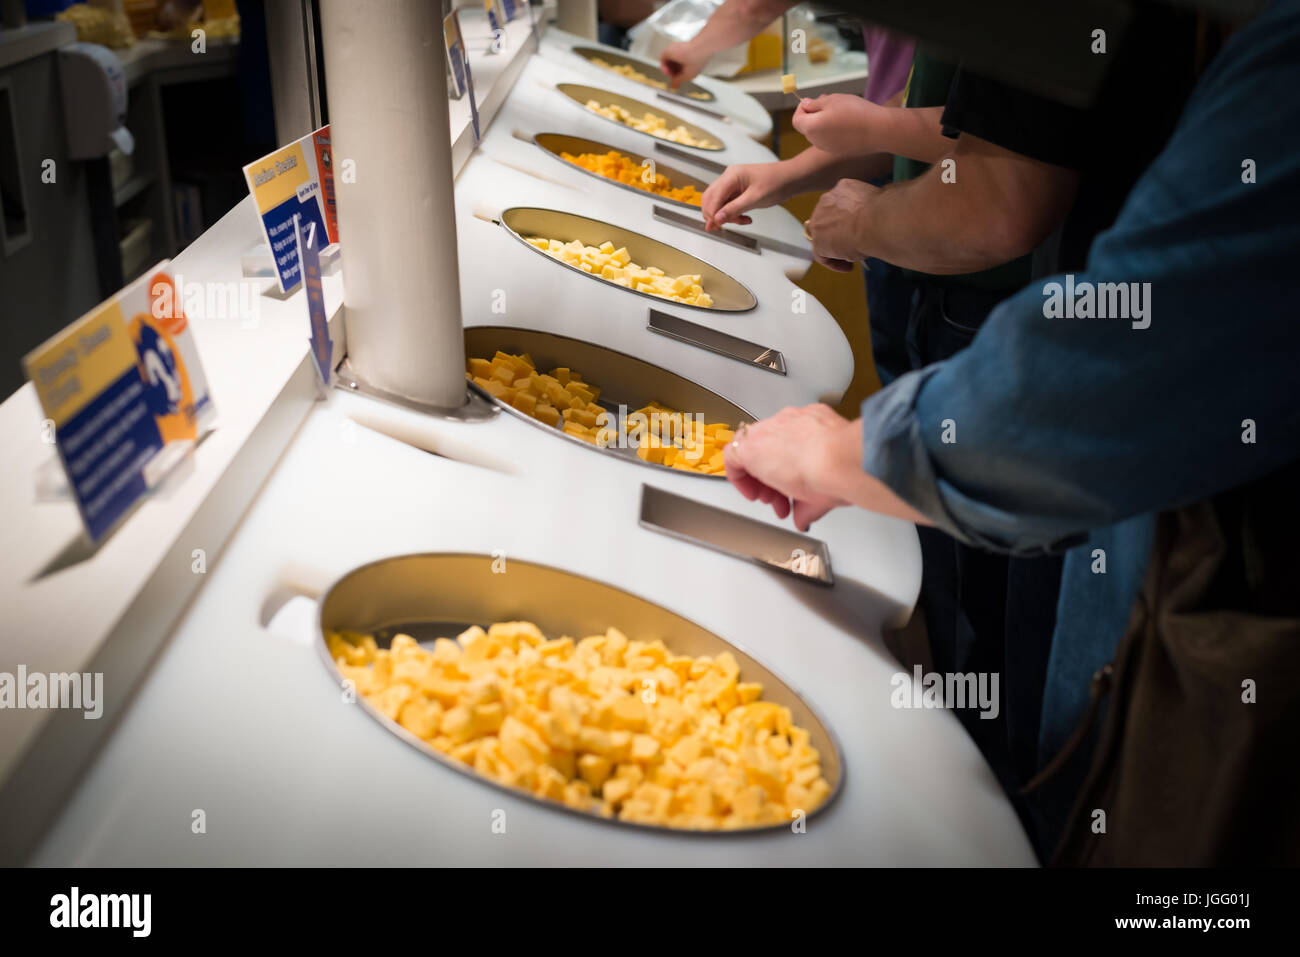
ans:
x=291 y=46
x=386 y=81
x=577 y=17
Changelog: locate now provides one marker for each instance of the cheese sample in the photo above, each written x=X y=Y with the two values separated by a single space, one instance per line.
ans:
x=606 y=724
x=622 y=169
x=616 y=265
x=654 y=124
x=787 y=83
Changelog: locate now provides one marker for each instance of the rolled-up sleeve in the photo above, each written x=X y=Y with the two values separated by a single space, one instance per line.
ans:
x=1050 y=425
x=896 y=451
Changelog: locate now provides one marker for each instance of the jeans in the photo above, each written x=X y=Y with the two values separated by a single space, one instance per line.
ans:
x=984 y=612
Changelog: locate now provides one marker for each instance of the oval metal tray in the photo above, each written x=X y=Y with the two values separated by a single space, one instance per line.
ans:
x=729 y=295
x=623 y=379
x=438 y=595
x=553 y=144
x=581 y=94
x=644 y=66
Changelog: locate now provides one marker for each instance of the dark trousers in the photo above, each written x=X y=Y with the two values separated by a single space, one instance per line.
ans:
x=984 y=612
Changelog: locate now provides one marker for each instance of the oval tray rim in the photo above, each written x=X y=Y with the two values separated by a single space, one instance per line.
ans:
x=654 y=197
x=609 y=282
x=572 y=438
x=581 y=52
x=461 y=768
x=668 y=115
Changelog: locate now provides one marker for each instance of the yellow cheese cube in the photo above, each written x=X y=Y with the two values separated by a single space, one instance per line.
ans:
x=594 y=769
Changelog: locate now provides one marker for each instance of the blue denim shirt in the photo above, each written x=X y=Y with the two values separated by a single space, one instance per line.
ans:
x=1053 y=433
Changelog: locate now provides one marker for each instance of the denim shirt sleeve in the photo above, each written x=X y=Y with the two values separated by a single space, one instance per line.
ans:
x=896 y=452
x=1046 y=427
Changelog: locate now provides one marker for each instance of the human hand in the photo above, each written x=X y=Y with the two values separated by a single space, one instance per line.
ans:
x=741 y=188
x=780 y=461
x=682 y=61
x=837 y=224
x=838 y=123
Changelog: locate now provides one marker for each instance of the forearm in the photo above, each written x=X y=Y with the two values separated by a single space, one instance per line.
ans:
x=978 y=207
x=915 y=133
x=814 y=170
x=736 y=22
x=930 y=226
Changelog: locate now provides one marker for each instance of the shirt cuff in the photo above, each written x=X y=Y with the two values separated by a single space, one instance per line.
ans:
x=895 y=452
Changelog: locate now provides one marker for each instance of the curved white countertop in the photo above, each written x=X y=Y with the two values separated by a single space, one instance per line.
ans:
x=245 y=723
x=744 y=110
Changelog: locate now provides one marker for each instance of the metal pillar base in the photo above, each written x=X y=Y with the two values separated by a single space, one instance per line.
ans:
x=475 y=409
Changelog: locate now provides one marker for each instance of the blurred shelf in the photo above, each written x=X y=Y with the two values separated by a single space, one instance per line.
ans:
x=132 y=188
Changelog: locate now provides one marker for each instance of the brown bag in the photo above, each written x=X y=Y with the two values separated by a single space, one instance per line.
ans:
x=1198 y=762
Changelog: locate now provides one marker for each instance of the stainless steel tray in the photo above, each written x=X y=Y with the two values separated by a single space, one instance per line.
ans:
x=644 y=66
x=580 y=94
x=435 y=595
x=736 y=535
x=729 y=295
x=556 y=143
x=623 y=379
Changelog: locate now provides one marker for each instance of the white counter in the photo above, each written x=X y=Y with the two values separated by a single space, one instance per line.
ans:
x=744 y=110
x=246 y=724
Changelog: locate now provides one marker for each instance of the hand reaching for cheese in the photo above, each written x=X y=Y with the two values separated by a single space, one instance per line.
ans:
x=637 y=76
x=608 y=725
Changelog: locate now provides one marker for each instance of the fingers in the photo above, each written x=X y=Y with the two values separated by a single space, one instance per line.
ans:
x=744 y=483
x=805 y=513
x=835 y=265
x=780 y=504
x=725 y=188
x=674 y=62
x=734 y=211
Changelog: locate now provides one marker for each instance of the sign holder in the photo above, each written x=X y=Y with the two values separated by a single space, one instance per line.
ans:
x=125 y=399
x=296 y=180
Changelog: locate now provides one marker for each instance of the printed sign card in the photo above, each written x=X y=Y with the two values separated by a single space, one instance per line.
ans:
x=294 y=181
x=121 y=386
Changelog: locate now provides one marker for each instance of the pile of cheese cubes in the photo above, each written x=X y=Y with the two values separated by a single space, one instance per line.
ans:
x=622 y=169
x=616 y=265
x=605 y=724
x=632 y=73
x=558 y=397
x=562 y=399
x=682 y=441
x=654 y=124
